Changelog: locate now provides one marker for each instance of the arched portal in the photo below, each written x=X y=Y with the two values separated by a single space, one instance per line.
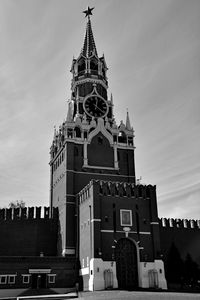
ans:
x=126 y=264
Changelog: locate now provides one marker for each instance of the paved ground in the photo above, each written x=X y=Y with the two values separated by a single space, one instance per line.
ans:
x=121 y=295
x=124 y=295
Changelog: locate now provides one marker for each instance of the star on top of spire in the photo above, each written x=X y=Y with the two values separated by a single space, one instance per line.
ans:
x=89 y=47
x=88 y=12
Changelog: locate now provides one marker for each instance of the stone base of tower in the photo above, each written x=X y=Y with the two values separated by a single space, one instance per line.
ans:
x=152 y=275
x=101 y=275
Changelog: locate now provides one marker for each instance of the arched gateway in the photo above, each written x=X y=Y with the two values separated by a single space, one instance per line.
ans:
x=126 y=264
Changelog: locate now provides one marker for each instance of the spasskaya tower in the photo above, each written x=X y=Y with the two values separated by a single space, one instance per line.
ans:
x=89 y=144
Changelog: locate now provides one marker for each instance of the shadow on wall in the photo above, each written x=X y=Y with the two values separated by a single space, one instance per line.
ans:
x=181 y=273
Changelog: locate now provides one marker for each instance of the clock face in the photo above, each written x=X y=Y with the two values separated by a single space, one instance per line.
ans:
x=95 y=106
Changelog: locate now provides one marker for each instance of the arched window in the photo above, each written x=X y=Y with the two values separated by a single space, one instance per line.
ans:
x=103 y=72
x=69 y=133
x=85 y=134
x=94 y=66
x=81 y=67
x=122 y=137
x=77 y=132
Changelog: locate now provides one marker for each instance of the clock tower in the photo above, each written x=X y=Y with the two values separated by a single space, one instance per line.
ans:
x=89 y=144
x=106 y=220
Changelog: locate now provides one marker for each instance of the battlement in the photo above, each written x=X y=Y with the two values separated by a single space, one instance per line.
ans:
x=24 y=213
x=179 y=223
x=120 y=189
x=124 y=189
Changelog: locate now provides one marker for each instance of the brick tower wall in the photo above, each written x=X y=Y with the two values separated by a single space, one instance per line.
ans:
x=106 y=199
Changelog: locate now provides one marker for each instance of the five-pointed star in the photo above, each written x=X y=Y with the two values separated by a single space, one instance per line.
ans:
x=88 y=12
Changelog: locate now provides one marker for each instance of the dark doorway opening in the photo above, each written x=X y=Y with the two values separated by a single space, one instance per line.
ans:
x=126 y=264
x=39 y=281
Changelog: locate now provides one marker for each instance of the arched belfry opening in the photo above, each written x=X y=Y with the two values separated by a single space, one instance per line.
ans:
x=81 y=67
x=100 y=153
x=122 y=137
x=126 y=264
x=94 y=66
x=77 y=131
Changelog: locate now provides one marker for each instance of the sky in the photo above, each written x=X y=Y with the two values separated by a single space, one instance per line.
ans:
x=152 y=49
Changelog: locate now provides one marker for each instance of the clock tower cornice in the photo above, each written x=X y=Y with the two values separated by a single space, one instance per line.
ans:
x=90 y=80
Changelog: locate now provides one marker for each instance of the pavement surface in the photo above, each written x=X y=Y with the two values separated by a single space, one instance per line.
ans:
x=117 y=295
x=124 y=295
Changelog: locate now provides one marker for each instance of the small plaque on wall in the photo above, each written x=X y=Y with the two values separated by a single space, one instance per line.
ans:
x=126 y=217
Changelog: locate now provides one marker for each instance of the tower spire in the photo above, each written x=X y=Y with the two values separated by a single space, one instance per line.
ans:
x=89 y=46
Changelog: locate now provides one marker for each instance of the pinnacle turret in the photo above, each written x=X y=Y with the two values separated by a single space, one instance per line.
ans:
x=69 y=113
x=128 y=123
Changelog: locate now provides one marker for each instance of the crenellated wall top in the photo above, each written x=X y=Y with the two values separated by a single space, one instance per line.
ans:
x=26 y=213
x=179 y=223
x=121 y=189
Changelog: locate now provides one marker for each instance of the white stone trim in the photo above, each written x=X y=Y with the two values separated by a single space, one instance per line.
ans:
x=100 y=168
x=39 y=271
x=121 y=217
x=68 y=251
x=154 y=223
x=116 y=164
x=125 y=146
x=102 y=174
x=26 y=276
x=70 y=195
x=85 y=159
x=51 y=278
x=11 y=276
x=95 y=220
x=122 y=231
x=100 y=128
x=97 y=269
x=5 y=277
x=84 y=271
x=80 y=81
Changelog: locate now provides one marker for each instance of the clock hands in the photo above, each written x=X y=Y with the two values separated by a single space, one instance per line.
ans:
x=103 y=112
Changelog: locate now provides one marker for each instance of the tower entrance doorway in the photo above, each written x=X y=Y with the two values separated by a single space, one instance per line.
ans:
x=39 y=278
x=126 y=264
x=39 y=281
